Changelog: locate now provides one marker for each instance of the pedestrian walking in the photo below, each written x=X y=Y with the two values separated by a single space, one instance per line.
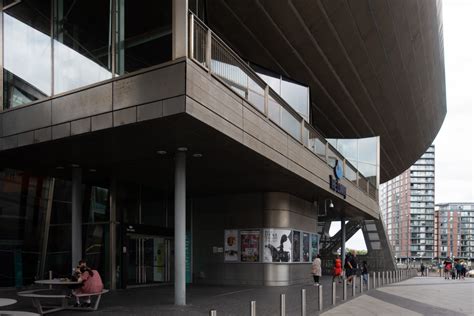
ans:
x=316 y=269
x=447 y=268
x=422 y=269
x=348 y=267
x=337 y=269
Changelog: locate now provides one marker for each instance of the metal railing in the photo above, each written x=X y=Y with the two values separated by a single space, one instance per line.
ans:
x=213 y=54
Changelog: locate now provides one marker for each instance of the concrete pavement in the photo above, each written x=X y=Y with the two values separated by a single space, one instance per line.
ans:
x=416 y=296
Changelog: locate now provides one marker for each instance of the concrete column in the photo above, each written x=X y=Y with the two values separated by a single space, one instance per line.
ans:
x=343 y=241
x=180 y=228
x=180 y=28
x=76 y=216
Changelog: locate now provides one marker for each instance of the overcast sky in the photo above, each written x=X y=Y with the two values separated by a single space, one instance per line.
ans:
x=454 y=145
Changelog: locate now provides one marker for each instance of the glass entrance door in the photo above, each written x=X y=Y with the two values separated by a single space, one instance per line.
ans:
x=149 y=259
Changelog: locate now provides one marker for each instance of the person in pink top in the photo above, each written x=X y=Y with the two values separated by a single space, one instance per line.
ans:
x=91 y=282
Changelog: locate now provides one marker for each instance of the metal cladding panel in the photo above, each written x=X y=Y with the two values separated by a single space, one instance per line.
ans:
x=83 y=103
x=375 y=68
x=162 y=83
x=27 y=118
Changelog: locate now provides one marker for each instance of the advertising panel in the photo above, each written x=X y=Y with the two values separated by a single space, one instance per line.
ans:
x=250 y=245
x=296 y=246
x=277 y=245
x=305 y=247
x=231 y=247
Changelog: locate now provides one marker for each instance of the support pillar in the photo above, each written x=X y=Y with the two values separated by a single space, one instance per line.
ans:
x=343 y=242
x=180 y=228
x=76 y=216
x=113 y=234
x=180 y=28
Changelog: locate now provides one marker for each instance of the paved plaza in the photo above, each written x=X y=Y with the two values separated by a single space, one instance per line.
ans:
x=415 y=296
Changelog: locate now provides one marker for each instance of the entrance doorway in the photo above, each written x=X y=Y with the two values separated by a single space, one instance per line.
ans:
x=149 y=259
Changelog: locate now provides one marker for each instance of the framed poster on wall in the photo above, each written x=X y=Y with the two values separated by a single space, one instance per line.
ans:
x=296 y=246
x=231 y=247
x=305 y=247
x=250 y=245
x=314 y=246
x=277 y=245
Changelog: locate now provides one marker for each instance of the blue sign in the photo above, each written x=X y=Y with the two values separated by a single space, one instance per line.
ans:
x=338 y=170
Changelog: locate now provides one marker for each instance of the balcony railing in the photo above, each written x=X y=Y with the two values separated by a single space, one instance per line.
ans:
x=214 y=55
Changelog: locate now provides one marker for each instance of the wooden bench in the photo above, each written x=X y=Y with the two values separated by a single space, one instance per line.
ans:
x=38 y=294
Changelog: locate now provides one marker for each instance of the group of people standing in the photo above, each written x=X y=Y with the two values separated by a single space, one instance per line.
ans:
x=351 y=267
x=456 y=270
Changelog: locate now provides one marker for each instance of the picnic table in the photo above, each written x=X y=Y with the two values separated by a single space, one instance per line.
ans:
x=63 y=284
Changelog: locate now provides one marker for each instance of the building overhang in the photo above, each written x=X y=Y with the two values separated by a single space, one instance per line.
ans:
x=375 y=68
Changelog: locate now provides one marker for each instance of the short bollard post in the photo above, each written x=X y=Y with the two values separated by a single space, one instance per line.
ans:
x=374 y=280
x=333 y=293
x=354 y=280
x=303 y=302
x=320 y=297
x=368 y=281
x=50 y=274
x=282 y=305
x=378 y=279
x=253 y=308
x=212 y=312
x=383 y=278
x=344 y=290
x=361 y=279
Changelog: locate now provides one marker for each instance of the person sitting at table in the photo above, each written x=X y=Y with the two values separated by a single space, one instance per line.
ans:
x=91 y=283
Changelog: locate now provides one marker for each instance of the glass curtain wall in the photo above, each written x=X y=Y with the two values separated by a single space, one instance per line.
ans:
x=54 y=46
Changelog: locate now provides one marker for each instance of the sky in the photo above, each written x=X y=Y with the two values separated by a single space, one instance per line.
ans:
x=454 y=144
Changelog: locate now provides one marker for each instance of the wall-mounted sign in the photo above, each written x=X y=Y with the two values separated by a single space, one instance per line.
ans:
x=277 y=245
x=249 y=245
x=334 y=182
x=231 y=247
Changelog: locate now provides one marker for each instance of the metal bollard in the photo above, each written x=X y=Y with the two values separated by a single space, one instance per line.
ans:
x=50 y=274
x=212 y=312
x=361 y=283
x=333 y=293
x=383 y=278
x=378 y=279
x=368 y=281
x=344 y=290
x=253 y=308
x=303 y=302
x=282 y=305
x=374 y=280
x=354 y=280
x=320 y=298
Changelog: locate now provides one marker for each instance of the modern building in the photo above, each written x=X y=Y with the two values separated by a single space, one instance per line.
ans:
x=407 y=206
x=185 y=141
x=454 y=230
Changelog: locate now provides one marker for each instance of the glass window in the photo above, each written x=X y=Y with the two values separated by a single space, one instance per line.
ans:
x=368 y=150
x=144 y=29
x=79 y=58
x=274 y=110
x=27 y=53
x=290 y=124
x=297 y=96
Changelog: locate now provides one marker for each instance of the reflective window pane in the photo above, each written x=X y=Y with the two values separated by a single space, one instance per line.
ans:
x=27 y=53
x=274 y=110
x=148 y=42
x=290 y=124
x=368 y=150
x=296 y=96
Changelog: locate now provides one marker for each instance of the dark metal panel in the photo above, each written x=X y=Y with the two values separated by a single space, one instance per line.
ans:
x=151 y=86
x=174 y=105
x=83 y=103
x=10 y=142
x=62 y=130
x=27 y=118
x=102 y=121
x=150 y=111
x=42 y=135
x=125 y=116
x=81 y=126
x=25 y=138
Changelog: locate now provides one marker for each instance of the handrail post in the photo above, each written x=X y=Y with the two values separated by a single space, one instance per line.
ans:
x=191 y=35
x=209 y=49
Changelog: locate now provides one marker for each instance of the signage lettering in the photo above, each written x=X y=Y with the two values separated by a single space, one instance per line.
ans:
x=336 y=186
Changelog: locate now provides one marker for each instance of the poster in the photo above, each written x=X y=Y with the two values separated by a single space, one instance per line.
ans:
x=231 y=247
x=249 y=245
x=314 y=246
x=277 y=245
x=296 y=245
x=305 y=247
